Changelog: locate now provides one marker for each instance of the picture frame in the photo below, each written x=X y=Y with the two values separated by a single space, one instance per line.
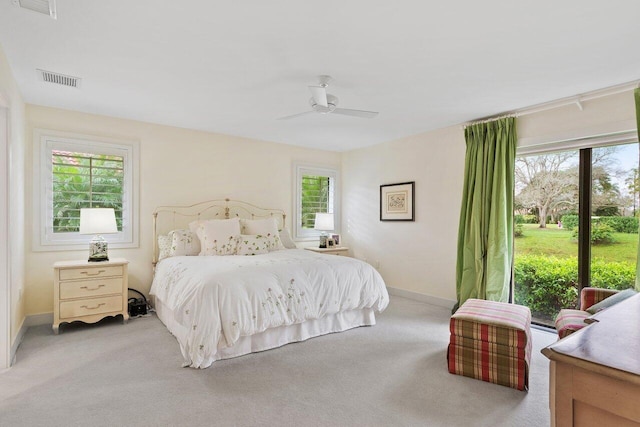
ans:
x=397 y=202
x=337 y=240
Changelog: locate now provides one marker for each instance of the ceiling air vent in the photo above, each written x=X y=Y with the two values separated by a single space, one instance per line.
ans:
x=47 y=7
x=60 y=79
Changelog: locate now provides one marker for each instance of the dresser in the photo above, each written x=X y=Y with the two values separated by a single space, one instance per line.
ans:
x=89 y=291
x=334 y=250
x=595 y=372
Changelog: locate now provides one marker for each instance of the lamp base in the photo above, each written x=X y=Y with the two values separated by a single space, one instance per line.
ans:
x=98 y=250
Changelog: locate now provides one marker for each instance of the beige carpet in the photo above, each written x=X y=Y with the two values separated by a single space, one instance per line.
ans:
x=391 y=374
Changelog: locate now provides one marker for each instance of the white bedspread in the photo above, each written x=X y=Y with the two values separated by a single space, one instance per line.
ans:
x=222 y=298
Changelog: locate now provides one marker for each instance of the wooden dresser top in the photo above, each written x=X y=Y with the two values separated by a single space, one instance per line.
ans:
x=611 y=345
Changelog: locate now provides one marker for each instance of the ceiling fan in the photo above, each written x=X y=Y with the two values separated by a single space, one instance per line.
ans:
x=325 y=103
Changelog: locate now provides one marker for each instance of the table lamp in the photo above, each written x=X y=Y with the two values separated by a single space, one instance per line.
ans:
x=324 y=223
x=98 y=221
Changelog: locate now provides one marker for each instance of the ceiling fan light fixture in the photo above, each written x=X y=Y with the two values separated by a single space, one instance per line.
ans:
x=324 y=103
x=46 y=7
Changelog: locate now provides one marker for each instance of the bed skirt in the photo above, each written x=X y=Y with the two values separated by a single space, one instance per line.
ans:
x=274 y=337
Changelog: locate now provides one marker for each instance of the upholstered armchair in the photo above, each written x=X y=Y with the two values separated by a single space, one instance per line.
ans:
x=569 y=320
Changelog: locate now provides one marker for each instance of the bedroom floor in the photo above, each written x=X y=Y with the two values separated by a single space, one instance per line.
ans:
x=391 y=374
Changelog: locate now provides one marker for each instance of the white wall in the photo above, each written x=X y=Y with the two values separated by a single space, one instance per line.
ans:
x=183 y=166
x=420 y=256
x=177 y=166
x=415 y=256
x=16 y=215
x=599 y=116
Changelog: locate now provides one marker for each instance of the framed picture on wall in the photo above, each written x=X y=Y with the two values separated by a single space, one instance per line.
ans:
x=397 y=202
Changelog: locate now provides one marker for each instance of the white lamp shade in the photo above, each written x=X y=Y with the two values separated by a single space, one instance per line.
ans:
x=98 y=221
x=324 y=222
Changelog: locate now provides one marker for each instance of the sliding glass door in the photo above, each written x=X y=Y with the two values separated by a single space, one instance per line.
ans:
x=576 y=225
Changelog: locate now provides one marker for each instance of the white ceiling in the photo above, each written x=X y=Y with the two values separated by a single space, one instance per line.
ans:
x=234 y=67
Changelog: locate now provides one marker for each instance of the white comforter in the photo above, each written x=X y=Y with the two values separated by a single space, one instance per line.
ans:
x=222 y=298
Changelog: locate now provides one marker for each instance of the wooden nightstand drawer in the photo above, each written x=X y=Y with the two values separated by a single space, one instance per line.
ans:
x=89 y=291
x=90 y=272
x=91 y=306
x=90 y=288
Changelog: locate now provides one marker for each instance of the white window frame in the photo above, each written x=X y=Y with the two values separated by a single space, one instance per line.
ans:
x=303 y=234
x=46 y=141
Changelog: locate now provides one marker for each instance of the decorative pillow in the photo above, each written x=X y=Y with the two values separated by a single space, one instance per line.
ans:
x=266 y=227
x=285 y=238
x=164 y=247
x=612 y=300
x=219 y=236
x=253 y=244
x=184 y=242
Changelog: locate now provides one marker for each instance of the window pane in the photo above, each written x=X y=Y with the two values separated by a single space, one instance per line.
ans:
x=316 y=196
x=546 y=248
x=84 y=180
x=614 y=221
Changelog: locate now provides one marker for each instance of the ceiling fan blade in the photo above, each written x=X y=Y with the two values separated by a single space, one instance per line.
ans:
x=355 y=113
x=319 y=95
x=296 y=115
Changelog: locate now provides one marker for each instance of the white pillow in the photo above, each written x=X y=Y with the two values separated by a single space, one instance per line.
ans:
x=164 y=247
x=219 y=236
x=184 y=242
x=253 y=244
x=266 y=227
x=285 y=238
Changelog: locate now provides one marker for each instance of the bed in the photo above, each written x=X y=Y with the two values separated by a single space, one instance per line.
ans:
x=262 y=294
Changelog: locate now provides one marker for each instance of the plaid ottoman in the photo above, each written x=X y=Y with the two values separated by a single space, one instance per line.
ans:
x=491 y=341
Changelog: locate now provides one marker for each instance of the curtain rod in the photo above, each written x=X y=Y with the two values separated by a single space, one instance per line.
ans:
x=562 y=102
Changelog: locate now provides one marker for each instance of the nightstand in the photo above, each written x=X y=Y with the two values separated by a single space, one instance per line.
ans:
x=89 y=291
x=335 y=250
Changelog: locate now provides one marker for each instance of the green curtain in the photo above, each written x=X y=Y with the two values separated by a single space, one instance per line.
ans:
x=485 y=234
x=637 y=96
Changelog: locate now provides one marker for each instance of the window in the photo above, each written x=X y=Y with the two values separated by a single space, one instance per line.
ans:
x=85 y=180
x=316 y=191
x=74 y=172
x=576 y=224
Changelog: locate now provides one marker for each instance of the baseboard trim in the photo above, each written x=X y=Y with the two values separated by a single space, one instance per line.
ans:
x=17 y=342
x=429 y=299
x=39 y=319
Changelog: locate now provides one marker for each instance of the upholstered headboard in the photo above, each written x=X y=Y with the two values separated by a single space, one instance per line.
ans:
x=167 y=218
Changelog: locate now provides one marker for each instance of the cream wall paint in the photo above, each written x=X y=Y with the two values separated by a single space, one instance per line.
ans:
x=11 y=95
x=177 y=166
x=420 y=256
x=415 y=256
x=599 y=116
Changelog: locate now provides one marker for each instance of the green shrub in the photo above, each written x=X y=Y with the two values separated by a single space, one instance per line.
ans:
x=612 y=274
x=620 y=224
x=569 y=221
x=517 y=230
x=601 y=234
x=548 y=284
x=525 y=219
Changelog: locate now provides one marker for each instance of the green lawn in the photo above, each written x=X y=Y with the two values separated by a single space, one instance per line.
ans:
x=554 y=241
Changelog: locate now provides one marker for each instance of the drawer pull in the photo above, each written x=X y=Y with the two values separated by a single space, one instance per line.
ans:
x=93 y=308
x=94 y=274
x=92 y=289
